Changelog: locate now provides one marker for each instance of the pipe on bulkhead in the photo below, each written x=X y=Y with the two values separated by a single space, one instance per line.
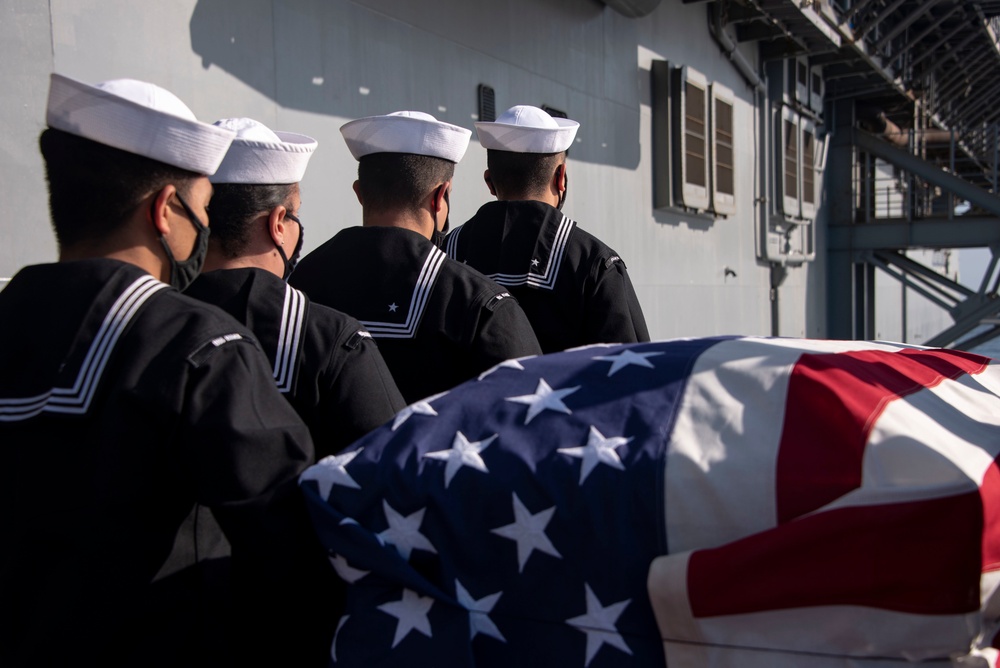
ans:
x=900 y=137
x=729 y=48
x=759 y=86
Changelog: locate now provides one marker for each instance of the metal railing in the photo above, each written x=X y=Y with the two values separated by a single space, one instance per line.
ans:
x=883 y=191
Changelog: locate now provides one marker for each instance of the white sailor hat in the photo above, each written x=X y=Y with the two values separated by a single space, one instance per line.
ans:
x=406 y=132
x=137 y=117
x=527 y=129
x=261 y=155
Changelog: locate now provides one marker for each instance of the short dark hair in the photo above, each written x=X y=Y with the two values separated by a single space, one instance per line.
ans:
x=94 y=188
x=235 y=205
x=390 y=181
x=521 y=174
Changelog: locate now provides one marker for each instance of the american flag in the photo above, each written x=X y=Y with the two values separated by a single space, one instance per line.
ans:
x=700 y=502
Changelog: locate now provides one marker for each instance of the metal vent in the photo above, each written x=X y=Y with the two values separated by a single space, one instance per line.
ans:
x=553 y=112
x=487 y=104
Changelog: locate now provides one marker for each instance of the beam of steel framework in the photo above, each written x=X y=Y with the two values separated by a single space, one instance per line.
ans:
x=912 y=42
x=959 y=82
x=870 y=245
x=911 y=163
x=878 y=18
x=988 y=99
x=904 y=24
x=858 y=7
x=900 y=233
x=933 y=50
x=986 y=307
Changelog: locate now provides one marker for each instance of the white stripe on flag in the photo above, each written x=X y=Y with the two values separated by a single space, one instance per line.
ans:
x=797 y=638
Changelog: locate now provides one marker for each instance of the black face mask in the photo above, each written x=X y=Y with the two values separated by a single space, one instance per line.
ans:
x=182 y=274
x=562 y=195
x=437 y=238
x=291 y=262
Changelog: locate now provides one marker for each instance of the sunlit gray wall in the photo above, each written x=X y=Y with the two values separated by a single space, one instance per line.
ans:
x=310 y=65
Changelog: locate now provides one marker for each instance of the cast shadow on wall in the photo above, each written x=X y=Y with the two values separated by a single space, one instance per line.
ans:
x=349 y=60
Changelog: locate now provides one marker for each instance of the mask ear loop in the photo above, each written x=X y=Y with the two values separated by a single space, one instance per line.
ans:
x=290 y=262
x=293 y=261
x=183 y=273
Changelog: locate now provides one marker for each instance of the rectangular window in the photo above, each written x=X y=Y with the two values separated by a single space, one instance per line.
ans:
x=788 y=162
x=694 y=135
x=724 y=147
x=791 y=160
x=816 y=89
x=798 y=80
x=691 y=138
x=723 y=150
x=808 y=168
x=694 y=141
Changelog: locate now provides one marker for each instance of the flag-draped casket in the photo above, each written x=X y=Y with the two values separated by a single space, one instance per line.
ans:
x=703 y=502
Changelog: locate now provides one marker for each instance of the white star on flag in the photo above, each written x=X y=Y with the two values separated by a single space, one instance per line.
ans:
x=404 y=532
x=479 y=620
x=462 y=453
x=599 y=450
x=422 y=407
x=506 y=364
x=627 y=358
x=529 y=532
x=411 y=613
x=393 y=307
x=599 y=625
x=346 y=572
x=544 y=398
x=331 y=471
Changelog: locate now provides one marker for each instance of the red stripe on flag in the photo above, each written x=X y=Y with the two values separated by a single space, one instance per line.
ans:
x=833 y=401
x=919 y=557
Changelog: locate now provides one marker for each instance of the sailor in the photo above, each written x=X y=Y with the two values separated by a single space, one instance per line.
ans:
x=437 y=322
x=573 y=288
x=325 y=363
x=142 y=432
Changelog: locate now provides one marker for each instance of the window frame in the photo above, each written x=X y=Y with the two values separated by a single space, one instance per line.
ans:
x=722 y=202
x=688 y=193
x=816 y=96
x=789 y=204
x=808 y=209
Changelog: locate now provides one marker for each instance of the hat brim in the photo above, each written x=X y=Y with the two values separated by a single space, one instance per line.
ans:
x=106 y=118
x=405 y=134
x=524 y=139
x=259 y=162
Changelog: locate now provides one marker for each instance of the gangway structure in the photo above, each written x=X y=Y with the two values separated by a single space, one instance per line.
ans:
x=913 y=100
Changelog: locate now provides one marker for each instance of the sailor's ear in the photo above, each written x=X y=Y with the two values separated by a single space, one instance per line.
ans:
x=489 y=182
x=357 y=192
x=276 y=225
x=560 y=177
x=440 y=196
x=159 y=209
